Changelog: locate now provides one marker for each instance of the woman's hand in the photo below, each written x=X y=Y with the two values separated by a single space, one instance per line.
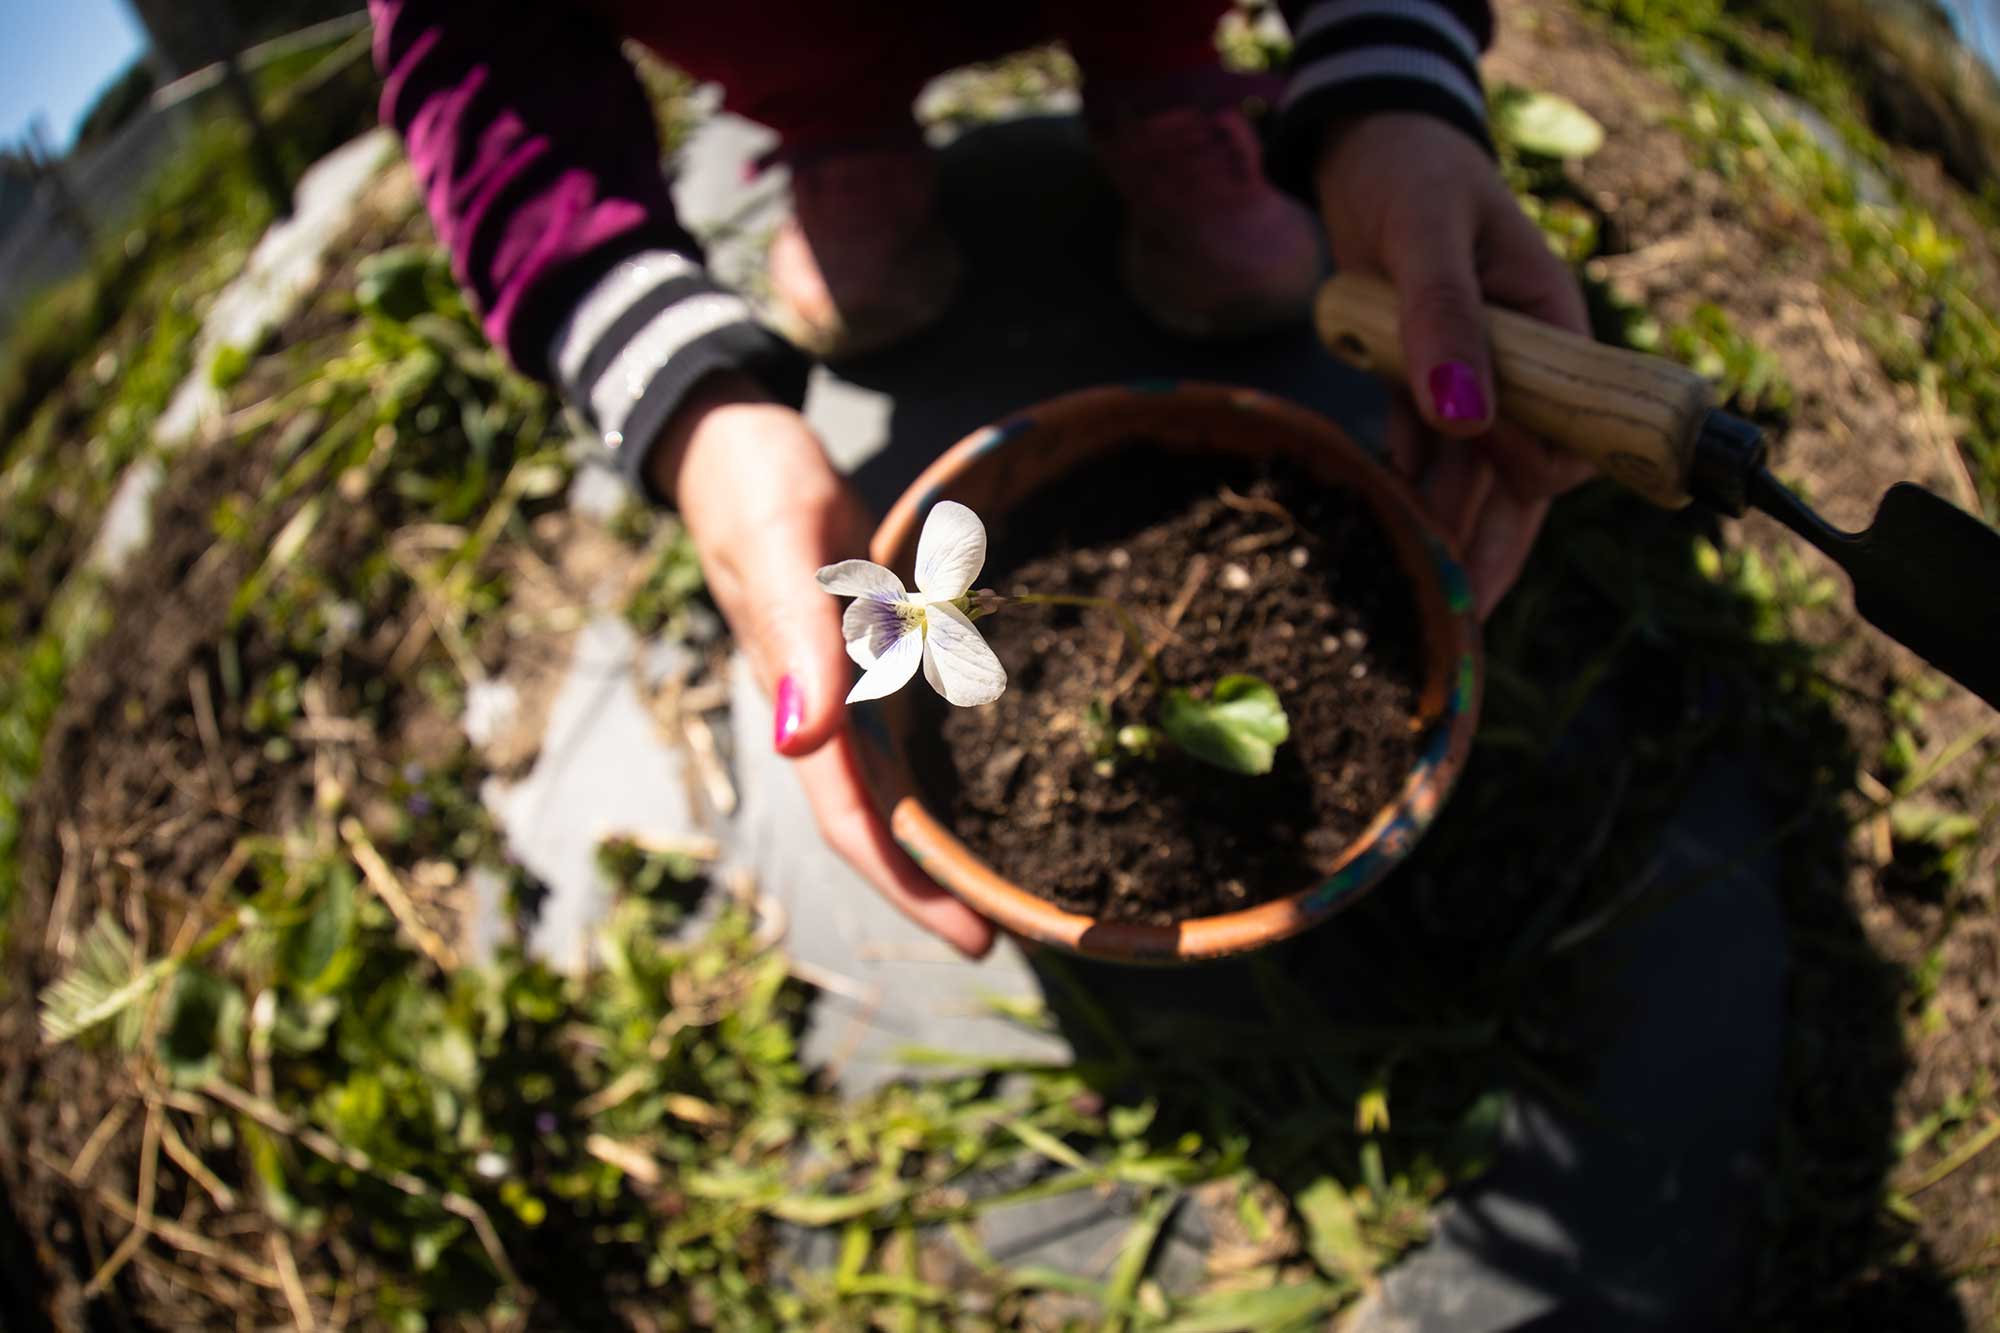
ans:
x=1409 y=196
x=765 y=510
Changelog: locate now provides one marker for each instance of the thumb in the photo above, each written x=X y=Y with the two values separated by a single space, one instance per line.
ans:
x=793 y=633
x=1444 y=332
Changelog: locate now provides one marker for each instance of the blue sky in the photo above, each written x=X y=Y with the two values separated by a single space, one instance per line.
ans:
x=56 y=56
x=1979 y=26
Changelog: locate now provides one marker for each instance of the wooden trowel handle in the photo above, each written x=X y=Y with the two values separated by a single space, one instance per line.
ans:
x=1634 y=416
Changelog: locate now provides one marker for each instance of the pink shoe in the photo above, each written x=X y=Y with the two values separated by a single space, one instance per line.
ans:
x=1211 y=248
x=862 y=262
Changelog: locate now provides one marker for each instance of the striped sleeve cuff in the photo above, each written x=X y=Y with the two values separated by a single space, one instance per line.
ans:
x=647 y=333
x=1353 y=57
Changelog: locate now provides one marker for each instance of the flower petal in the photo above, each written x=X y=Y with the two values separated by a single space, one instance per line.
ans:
x=871 y=626
x=951 y=551
x=892 y=670
x=957 y=662
x=861 y=578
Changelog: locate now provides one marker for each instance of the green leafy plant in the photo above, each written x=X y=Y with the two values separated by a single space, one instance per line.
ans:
x=1238 y=727
x=1545 y=124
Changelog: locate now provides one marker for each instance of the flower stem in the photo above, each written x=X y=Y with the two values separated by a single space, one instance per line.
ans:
x=1115 y=607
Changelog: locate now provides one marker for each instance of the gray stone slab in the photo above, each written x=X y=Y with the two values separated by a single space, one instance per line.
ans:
x=604 y=770
x=128 y=520
x=283 y=268
x=896 y=985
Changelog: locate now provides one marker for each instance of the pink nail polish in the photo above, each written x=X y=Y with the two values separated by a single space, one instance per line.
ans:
x=791 y=712
x=1455 y=391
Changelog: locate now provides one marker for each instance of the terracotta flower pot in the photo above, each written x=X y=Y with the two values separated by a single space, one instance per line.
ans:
x=993 y=469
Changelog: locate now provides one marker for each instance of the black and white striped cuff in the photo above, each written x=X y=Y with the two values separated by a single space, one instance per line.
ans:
x=1352 y=57
x=645 y=334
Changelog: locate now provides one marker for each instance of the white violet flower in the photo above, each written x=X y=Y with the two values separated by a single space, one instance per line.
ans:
x=889 y=632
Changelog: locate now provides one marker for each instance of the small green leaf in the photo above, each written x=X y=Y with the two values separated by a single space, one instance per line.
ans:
x=1333 y=1231
x=267 y=1159
x=311 y=948
x=204 y=1024
x=428 y=1244
x=1097 y=726
x=394 y=284
x=301 y=1027
x=230 y=365
x=1129 y=1122
x=1548 y=126
x=105 y=983
x=1239 y=727
x=1271 y=1307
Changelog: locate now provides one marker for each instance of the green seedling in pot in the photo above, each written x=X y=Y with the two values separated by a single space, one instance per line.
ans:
x=890 y=632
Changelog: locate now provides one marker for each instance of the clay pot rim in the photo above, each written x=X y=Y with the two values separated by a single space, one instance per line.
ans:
x=1454 y=671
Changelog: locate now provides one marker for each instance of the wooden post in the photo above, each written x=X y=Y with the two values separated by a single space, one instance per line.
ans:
x=47 y=168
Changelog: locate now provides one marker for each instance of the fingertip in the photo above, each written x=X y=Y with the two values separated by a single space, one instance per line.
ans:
x=932 y=906
x=1459 y=403
x=788 y=717
x=973 y=935
x=808 y=709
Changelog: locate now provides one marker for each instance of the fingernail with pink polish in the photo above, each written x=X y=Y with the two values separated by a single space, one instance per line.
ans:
x=791 y=712
x=1456 y=392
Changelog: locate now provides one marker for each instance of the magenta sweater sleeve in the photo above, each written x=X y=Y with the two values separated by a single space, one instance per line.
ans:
x=533 y=144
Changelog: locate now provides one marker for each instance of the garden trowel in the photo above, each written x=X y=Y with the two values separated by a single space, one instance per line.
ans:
x=1925 y=572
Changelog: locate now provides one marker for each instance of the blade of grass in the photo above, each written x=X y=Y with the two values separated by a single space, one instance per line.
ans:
x=1273 y=1307
x=1136 y=1254
x=1960 y=1155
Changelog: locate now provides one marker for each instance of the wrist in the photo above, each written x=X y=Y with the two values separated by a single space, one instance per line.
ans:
x=709 y=410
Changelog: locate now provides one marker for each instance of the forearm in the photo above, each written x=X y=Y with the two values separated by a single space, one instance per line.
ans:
x=534 y=146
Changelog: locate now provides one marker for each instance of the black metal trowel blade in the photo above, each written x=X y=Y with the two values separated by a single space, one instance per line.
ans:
x=1926 y=573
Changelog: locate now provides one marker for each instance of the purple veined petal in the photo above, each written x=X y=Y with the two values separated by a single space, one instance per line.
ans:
x=871 y=626
x=957 y=661
x=892 y=670
x=861 y=578
x=951 y=551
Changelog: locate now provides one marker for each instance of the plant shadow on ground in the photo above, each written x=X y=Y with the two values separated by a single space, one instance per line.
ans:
x=1638 y=657
x=1362 y=1065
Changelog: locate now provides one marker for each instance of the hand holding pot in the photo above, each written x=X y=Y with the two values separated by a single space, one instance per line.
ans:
x=765 y=510
x=1409 y=196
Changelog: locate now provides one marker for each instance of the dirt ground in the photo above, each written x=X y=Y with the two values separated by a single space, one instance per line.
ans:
x=150 y=776
x=1677 y=237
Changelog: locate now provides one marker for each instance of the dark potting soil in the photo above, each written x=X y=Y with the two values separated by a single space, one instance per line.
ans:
x=1234 y=567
